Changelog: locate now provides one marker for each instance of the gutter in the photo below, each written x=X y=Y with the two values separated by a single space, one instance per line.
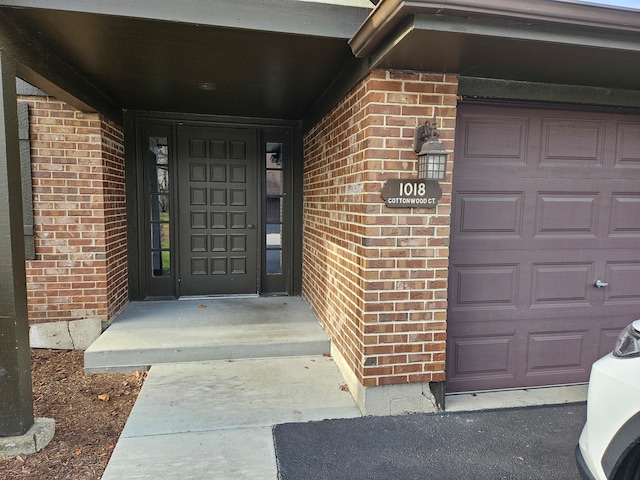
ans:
x=390 y=14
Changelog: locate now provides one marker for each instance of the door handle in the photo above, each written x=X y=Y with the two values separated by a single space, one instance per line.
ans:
x=600 y=284
x=251 y=226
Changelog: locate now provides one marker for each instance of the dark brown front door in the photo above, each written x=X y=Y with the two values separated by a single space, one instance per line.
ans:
x=218 y=212
x=546 y=202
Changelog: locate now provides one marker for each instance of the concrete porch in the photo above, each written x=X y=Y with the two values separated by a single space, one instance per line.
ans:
x=175 y=331
x=223 y=371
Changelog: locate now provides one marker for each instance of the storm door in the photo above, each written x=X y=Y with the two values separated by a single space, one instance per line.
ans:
x=218 y=213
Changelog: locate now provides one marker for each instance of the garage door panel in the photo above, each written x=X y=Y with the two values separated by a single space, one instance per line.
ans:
x=572 y=142
x=628 y=145
x=492 y=286
x=485 y=216
x=498 y=214
x=557 y=352
x=624 y=284
x=552 y=352
x=485 y=356
x=532 y=231
x=561 y=284
x=625 y=215
x=570 y=214
x=510 y=284
x=495 y=140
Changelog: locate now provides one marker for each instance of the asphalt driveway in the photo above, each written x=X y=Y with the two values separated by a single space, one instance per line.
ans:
x=515 y=443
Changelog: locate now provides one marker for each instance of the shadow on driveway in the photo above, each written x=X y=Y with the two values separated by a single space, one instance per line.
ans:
x=514 y=443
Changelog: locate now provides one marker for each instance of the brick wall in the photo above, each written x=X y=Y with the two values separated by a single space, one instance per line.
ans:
x=115 y=222
x=77 y=163
x=376 y=277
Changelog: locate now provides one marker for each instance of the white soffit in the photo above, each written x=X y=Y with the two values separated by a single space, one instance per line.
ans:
x=631 y=4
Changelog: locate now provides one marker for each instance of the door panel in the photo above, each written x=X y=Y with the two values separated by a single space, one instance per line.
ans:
x=218 y=211
x=544 y=204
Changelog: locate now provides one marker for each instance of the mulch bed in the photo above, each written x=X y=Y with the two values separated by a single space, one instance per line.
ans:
x=90 y=411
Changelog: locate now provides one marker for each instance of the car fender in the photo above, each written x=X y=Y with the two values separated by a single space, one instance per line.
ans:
x=625 y=439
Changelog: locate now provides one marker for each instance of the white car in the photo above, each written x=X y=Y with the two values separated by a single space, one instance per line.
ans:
x=609 y=446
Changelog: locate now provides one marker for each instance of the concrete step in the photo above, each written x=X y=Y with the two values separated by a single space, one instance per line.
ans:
x=160 y=332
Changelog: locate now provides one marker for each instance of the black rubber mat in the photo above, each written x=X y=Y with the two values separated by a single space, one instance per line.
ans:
x=517 y=443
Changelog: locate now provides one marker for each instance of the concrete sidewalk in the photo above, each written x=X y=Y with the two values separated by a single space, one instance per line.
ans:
x=213 y=420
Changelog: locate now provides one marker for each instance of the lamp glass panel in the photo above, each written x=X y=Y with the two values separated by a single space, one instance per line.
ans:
x=422 y=166
x=436 y=166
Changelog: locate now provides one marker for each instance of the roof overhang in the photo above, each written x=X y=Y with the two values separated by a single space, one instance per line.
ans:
x=549 y=41
x=289 y=59
x=269 y=59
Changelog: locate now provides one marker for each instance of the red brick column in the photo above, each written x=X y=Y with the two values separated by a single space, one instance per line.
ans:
x=376 y=277
x=77 y=162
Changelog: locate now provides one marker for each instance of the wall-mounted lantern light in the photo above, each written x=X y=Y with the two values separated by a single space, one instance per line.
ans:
x=432 y=156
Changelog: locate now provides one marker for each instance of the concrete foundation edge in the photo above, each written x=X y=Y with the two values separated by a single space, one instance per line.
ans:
x=65 y=335
x=386 y=399
x=38 y=437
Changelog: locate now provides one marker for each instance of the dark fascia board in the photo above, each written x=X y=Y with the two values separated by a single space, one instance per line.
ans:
x=321 y=18
x=492 y=27
x=510 y=90
x=523 y=31
x=391 y=14
x=39 y=66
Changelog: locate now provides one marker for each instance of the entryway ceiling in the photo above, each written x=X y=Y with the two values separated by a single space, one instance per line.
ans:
x=289 y=59
x=270 y=59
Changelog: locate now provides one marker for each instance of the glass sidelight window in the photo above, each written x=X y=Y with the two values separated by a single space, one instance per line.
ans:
x=158 y=170
x=274 y=199
x=276 y=271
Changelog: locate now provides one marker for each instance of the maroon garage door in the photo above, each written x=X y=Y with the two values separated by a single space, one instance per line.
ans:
x=546 y=203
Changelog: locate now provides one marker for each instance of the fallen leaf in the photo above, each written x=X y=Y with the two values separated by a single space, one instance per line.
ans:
x=104 y=397
x=202 y=306
x=78 y=452
x=140 y=376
